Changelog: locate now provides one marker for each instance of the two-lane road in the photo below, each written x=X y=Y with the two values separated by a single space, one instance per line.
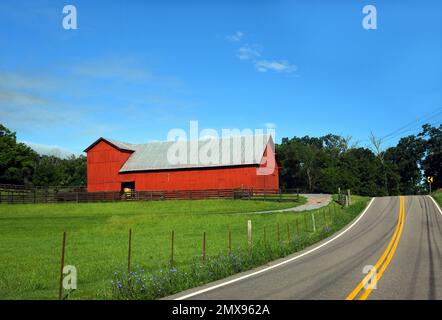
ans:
x=400 y=236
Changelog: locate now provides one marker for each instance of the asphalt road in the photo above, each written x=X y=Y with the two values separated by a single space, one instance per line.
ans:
x=400 y=236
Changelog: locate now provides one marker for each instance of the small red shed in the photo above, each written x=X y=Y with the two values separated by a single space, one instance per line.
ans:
x=114 y=165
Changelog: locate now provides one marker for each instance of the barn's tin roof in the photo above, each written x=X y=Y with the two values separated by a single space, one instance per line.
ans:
x=168 y=155
x=122 y=145
x=117 y=144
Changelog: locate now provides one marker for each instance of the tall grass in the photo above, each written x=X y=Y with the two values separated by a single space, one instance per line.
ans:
x=438 y=196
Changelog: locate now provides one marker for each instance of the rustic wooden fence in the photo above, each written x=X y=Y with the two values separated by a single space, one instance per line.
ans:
x=12 y=194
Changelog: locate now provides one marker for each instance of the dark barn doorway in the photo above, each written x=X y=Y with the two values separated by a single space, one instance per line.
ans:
x=128 y=186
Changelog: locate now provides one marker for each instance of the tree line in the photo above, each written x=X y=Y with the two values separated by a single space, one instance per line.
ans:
x=313 y=164
x=326 y=163
x=21 y=165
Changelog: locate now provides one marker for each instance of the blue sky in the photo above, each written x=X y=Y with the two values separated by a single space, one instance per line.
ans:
x=133 y=70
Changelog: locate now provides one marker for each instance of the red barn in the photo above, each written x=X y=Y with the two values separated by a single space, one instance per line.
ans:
x=114 y=165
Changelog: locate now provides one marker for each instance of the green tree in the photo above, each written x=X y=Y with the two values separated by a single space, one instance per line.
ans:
x=432 y=163
x=405 y=158
x=19 y=164
x=16 y=159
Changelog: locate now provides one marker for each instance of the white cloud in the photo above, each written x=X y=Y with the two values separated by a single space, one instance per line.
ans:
x=20 y=98
x=236 y=37
x=282 y=66
x=252 y=53
x=114 y=68
x=60 y=96
x=247 y=53
x=27 y=81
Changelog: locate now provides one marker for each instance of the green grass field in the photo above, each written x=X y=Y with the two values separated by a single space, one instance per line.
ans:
x=438 y=196
x=30 y=239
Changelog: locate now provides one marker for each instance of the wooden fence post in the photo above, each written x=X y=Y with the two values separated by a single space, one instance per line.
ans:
x=129 y=251
x=172 y=247
x=339 y=196
x=63 y=246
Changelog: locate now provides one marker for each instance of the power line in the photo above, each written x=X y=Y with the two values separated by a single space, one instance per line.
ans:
x=413 y=124
x=412 y=129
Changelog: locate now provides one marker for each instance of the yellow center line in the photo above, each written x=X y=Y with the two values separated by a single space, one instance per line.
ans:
x=384 y=260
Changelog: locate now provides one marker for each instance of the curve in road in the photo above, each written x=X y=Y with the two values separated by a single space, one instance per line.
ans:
x=400 y=236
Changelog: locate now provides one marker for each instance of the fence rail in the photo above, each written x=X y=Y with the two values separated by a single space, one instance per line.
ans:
x=12 y=194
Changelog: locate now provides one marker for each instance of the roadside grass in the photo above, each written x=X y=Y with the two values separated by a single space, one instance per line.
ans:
x=438 y=196
x=97 y=239
x=142 y=283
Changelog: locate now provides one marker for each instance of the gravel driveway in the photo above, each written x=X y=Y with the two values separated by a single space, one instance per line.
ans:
x=314 y=201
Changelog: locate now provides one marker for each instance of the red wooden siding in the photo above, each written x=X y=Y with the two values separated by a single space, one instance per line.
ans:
x=104 y=161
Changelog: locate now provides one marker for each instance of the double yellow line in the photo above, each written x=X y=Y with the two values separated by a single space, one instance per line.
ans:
x=376 y=273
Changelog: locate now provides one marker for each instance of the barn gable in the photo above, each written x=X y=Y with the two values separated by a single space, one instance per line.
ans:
x=116 y=144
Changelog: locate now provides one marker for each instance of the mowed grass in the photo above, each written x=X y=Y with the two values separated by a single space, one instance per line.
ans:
x=97 y=239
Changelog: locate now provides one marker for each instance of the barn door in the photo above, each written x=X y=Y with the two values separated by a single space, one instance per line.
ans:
x=128 y=186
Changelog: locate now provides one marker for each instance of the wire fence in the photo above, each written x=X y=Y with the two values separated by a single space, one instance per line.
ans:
x=181 y=248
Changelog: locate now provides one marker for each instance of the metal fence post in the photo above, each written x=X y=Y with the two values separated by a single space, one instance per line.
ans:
x=249 y=233
x=230 y=240
x=204 y=246
x=129 y=251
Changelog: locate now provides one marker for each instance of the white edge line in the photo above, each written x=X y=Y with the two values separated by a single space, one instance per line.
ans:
x=436 y=204
x=279 y=264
